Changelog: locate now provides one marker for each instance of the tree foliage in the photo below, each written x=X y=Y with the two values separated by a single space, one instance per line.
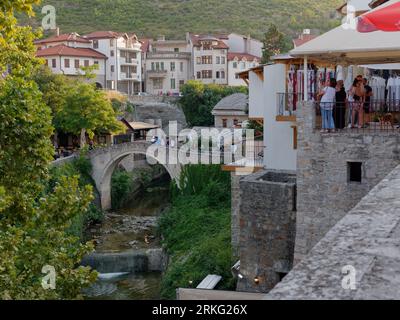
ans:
x=196 y=230
x=76 y=104
x=199 y=99
x=33 y=221
x=174 y=18
x=273 y=43
x=86 y=108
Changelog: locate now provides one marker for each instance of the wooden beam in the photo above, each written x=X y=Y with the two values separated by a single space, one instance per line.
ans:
x=260 y=74
x=286 y=118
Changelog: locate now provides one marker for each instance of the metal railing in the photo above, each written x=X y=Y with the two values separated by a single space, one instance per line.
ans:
x=374 y=116
x=287 y=102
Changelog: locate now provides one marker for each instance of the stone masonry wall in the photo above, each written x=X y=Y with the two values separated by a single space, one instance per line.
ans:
x=367 y=239
x=235 y=212
x=323 y=191
x=267 y=229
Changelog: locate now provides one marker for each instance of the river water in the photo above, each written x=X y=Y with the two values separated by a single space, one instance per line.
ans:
x=126 y=229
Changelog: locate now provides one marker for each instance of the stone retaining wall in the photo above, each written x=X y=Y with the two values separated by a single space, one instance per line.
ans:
x=267 y=229
x=129 y=261
x=324 y=191
x=364 y=246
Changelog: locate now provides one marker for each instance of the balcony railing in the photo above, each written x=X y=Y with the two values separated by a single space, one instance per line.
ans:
x=376 y=116
x=129 y=76
x=156 y=73
x=287 y=102
x=168 y=55
x=124 y=60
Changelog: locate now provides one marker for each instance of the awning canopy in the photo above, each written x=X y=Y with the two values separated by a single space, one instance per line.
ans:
x=344 y=45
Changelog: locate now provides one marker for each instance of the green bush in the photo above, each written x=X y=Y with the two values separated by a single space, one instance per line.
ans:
x=199 y=99
x=121 y=188
x=81 y=168
x=196 y=230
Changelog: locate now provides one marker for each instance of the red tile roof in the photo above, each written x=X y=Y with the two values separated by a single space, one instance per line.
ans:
x=64 y=37
x=302 y=39
x=145 y=44
x=240 y=56
x=102 y=35
x=63 y=50
x=197 y=38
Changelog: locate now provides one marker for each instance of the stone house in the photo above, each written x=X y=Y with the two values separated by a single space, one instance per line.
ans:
x=231 y=111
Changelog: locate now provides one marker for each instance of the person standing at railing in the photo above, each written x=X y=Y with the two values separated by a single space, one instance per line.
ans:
x=328 y=98
x=367 y=105
x=339 y=110
x=357 y=94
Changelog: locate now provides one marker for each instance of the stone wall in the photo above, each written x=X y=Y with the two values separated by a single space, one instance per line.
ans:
x=131 y=261
x=235 y=212
x=324 y=191
x=363 y=246
x=267 y=229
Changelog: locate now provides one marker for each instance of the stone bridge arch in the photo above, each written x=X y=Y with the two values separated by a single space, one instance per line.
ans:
x=105 y=160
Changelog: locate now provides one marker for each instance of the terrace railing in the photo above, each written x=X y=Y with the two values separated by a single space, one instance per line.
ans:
x=287 y=102
x=375 y=116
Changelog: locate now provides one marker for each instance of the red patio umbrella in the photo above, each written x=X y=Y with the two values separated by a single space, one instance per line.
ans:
x=385 y=19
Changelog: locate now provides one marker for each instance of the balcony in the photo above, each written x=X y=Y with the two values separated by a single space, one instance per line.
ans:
x=128 y=61
x=156 y=73
x=168 y=55
x=286 y=105
x=129 y=76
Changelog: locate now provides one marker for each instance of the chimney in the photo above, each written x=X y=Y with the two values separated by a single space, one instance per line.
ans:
x=57 y=31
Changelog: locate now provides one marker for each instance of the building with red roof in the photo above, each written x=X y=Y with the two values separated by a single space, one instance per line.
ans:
x=69 y=61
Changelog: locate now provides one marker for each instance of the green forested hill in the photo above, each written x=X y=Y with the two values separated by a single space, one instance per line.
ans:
x=149 y=18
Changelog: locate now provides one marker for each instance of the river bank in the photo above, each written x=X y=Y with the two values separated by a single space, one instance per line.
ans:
x=128 y=251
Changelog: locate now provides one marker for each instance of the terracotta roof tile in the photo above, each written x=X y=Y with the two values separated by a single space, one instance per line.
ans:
x=240 y=56
x=102 y=35
x=63 y=50
x=302 y=39
x=64 y=37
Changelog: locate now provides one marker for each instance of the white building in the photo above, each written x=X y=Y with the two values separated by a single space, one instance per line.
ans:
x=243 y=44
x=231 y=111
x=280 y=132
x=209 y=59
x=239 y=62
x=68 y=53
x=73 y=40
x=167 y=66
x=124 y=63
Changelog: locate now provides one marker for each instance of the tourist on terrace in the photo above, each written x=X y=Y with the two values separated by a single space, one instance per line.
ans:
x=357 y=96
x=328 y=98
x=339 y=110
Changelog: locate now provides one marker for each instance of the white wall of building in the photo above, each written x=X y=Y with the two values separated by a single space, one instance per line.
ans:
x=278 y=136
x=174 y=56
x=235 y=66
x=214 y=67
x=60 y=66
x=117 y=78
x=240 y=43
x=256 y=97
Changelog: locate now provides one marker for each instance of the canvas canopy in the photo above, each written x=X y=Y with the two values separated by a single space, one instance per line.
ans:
x=344 y=45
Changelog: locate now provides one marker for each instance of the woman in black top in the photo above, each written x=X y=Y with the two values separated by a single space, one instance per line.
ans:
x=339 y=111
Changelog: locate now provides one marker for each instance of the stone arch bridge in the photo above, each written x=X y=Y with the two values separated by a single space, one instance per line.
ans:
x=105 y=160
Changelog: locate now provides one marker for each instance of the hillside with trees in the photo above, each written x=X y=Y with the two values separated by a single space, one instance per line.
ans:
x=174 y=17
